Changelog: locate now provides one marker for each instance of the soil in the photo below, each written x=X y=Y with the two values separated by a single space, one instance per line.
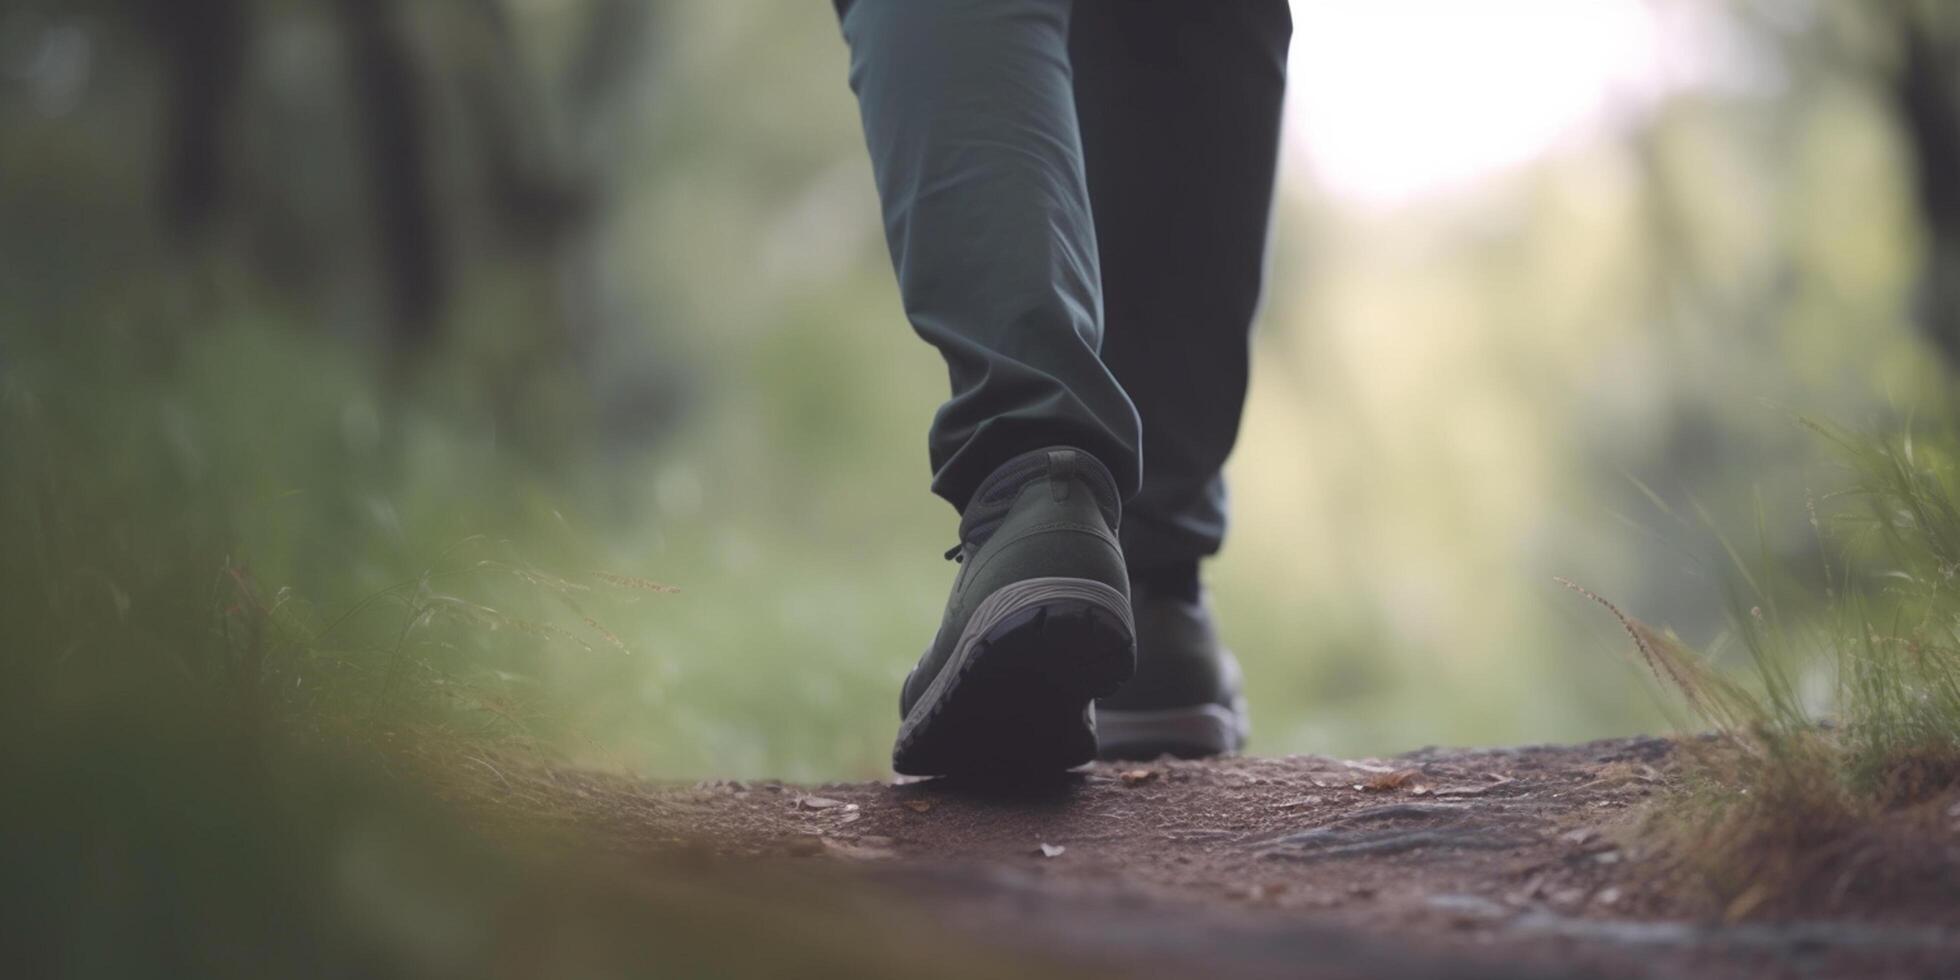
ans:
x=1455 y=864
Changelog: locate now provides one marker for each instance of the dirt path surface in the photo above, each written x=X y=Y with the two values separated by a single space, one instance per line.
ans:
x=1499 y=863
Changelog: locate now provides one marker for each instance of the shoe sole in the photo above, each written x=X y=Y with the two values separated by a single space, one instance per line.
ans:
x=1017 y=696
x=1187 y=733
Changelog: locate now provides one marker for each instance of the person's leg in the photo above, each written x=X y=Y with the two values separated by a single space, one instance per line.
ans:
x=970 y=119
x=1179 y=104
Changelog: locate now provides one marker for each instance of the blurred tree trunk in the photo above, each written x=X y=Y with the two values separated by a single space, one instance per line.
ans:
x=203 y=44
x=1925 y=88
x=390 y=105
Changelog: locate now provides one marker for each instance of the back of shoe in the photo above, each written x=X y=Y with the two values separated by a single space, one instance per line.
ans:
x=1038 y=626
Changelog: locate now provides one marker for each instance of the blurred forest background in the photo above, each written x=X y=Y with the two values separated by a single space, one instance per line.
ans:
x=384 y=356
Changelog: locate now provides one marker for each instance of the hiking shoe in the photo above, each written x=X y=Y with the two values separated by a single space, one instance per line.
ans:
x=1187 y=696
x=1037 y=628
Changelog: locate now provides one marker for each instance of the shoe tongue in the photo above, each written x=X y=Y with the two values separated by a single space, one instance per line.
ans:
x=1063 y=467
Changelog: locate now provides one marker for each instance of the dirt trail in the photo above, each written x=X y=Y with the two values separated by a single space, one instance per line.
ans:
x=1500 y=863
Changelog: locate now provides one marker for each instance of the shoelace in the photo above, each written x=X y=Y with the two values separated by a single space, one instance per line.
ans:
x=956 y=553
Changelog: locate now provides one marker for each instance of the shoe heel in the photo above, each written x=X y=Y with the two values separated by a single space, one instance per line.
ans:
x=1070 y=646
x=1018 y=694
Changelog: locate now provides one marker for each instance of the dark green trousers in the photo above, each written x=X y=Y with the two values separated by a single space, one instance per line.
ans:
x=1076 y=194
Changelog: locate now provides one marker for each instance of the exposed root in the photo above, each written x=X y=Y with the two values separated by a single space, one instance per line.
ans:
x=1457 y=826
x=1332 y=843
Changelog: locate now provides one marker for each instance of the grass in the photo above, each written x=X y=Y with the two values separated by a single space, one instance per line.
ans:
x=1836 y=747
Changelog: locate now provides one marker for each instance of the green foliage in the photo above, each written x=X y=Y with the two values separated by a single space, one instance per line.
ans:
x=230 y=531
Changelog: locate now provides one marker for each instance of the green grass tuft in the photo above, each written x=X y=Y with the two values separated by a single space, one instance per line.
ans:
x=1840 y=734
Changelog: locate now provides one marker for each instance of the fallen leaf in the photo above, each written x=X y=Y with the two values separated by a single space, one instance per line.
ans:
x=819 y=803
x=1748 y=900
x=1052 y=850
x=1390 y=780
x=1137 y=777
x=918 y=806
